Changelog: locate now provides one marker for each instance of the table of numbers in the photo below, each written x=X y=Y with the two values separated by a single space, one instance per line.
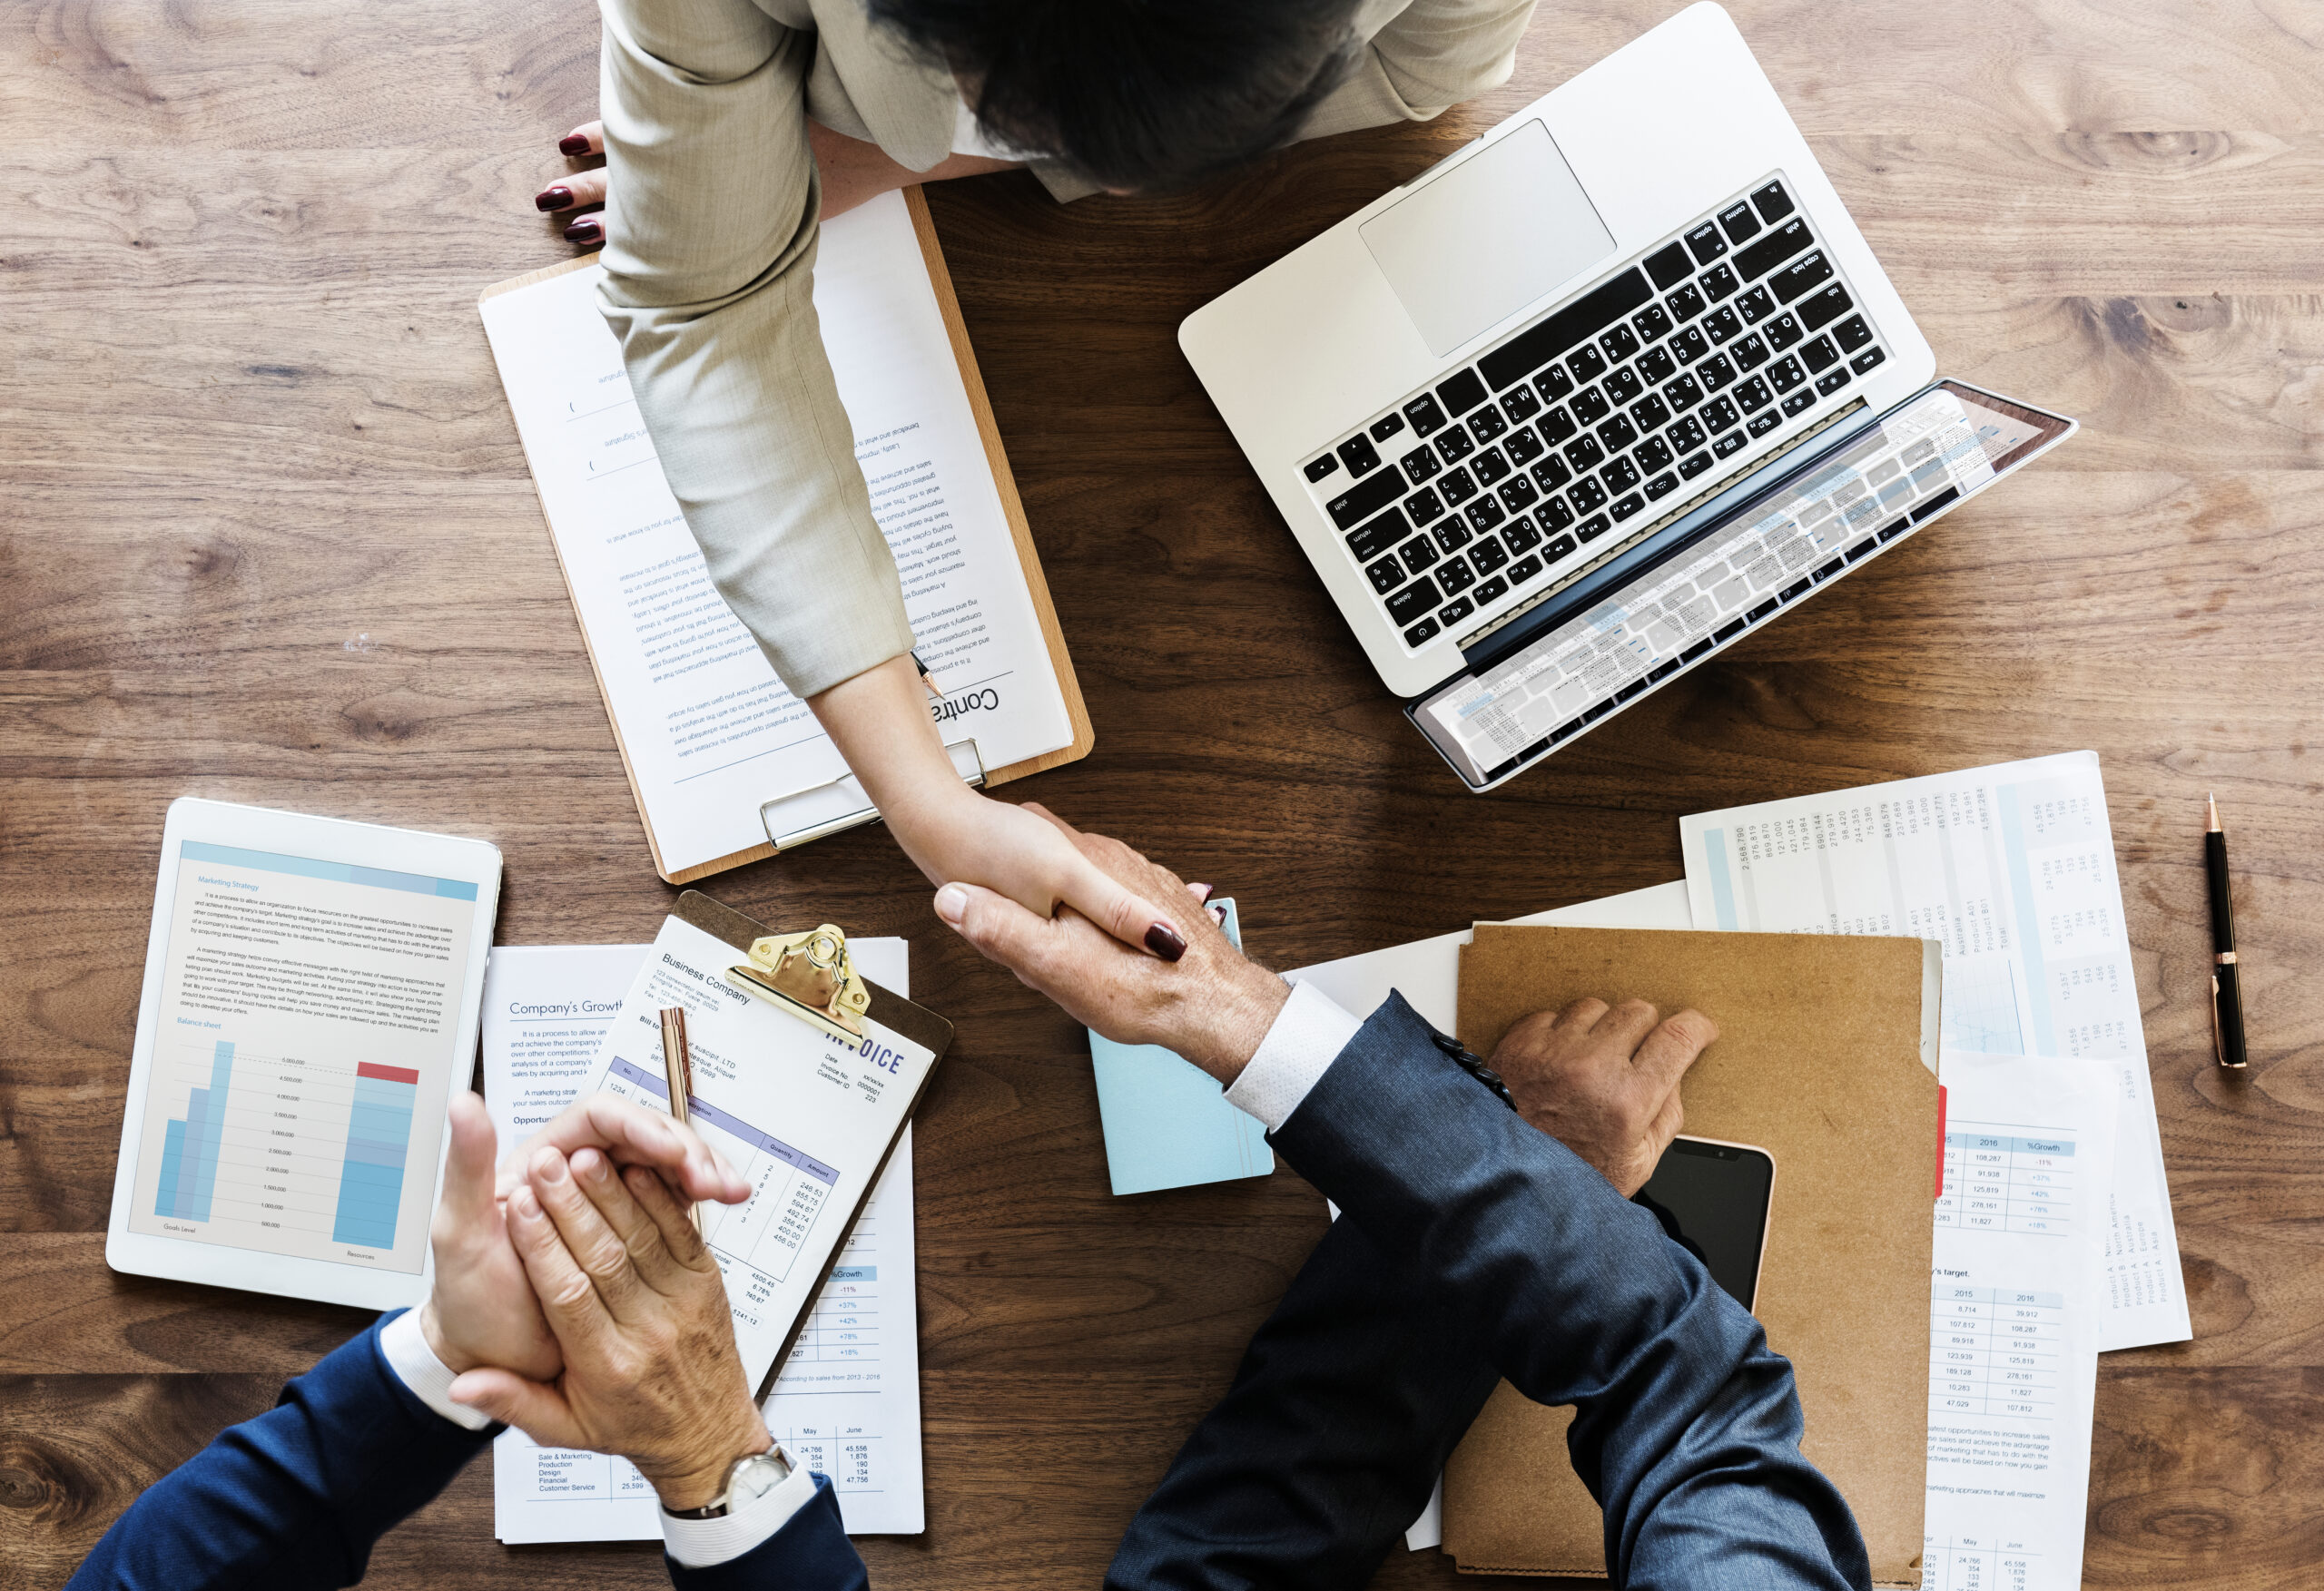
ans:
x=2007 y=1179
x=1993 y=1351
x=1978 y=1563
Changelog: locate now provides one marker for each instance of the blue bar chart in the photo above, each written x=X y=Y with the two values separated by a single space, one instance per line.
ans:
x=379 y=1135
x=190 y=1145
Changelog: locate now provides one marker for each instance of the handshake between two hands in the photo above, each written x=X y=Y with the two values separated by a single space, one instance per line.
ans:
x=574 y=1299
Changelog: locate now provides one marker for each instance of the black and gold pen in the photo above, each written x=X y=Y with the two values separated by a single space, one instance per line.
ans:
x=2227 y=992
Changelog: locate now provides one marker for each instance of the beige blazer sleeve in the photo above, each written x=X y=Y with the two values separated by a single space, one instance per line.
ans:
x=709 y=276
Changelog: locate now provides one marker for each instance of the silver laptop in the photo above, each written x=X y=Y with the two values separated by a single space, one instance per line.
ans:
x=1592 y=398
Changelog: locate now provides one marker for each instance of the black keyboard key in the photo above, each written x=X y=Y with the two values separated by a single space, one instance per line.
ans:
x=1424 y=506
x=1799 y=402
x=1362 y=502
x=1598 y=711
x=1486 y=424
x=1830 y=569
x=1723 y=323
x=1690 y=345
x=1619 y=343
x=1385 y=575
x=1589 y=405
x=1553 y=383
x=1455 y=577
x=1426 y=630
x=1563 y=546
x=1386 y=425
x=1796 y=278
x=1729 y=631
x=1553 y=514
x=1622 y=386
x=1773 y=201
x=1892 y=531
x=1824 y=306
x=1739 y=223
x=1705 y=243
x=1424 y=415
x=1852 y=333
x=1827 y=385
x=1653 y=323
x=1665 y=671
x=1696 y=650
x=1863 y=548
x=1936 y=504
x=1755 y=306
x=1522 y=446
x=1586 y=363
x=1782 y=331
x=1519 y=495
x=1548 y=338
x=1451 y=535
x=1556 y=426
x=1661 y=486
x=1317 y=469
x=1488 y=466
x=1522 y=535
x=1618 y=477
x=1486 y=556
x=1819 y=355
x=1669 y=264
x=1866 y=360
x=1413 y=601
x=1715 y=373
x=1631 y=689
x=1454 y=446
x=1686 y=435
x=1730 y=444
x=1718 y=415
x=1786 y=375
x=1656 y=365
x=1550 y=473
x=1653 y=453
x=1493 y=591
x=1591 y=528
x=1420 y=464
x=1418 y=554
x=1650 y=413
x=1628 y=506
x=1616 y=434
x=1586 y=496
x=1693 y=465
x=1750 y=353
x=1761 y=612
x=1453 y=613
x=1520 y=404
x=1456 y=488
x=1718 y=282
x=1683 y=394
x=1358 y=454
x=1685 y=304
x=1485 y=513
x=1460 y=393
x=1797 y=589
x=1753 y=395
x=1773 y=249
x=1369 y=540
x=1762 y=424
x=1524 y=569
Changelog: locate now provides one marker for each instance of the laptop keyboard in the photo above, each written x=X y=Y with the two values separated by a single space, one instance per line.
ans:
x=1590 y=421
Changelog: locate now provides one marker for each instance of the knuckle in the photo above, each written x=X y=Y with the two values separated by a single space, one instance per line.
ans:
x=570 y=1291
x=1639 y=1010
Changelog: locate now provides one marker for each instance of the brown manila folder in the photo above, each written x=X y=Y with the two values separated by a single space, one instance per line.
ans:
x=1825 y=1059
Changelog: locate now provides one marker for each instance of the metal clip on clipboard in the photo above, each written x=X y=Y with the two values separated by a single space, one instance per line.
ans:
x=826 y=806
x=811 y=976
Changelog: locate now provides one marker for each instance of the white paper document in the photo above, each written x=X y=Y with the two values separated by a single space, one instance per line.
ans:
x=2012 y=867
x=708 y=731
x=847 y=1401
x=2016 y=1294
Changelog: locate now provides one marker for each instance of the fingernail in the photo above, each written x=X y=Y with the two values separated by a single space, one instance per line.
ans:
x=1202 y=892
x=550 y=1166
x=952 y=905
x=523 y=1205
x=585 y=231
x=557 y=198
x=589 y=1164
x=1164 y=941
x=572 y=145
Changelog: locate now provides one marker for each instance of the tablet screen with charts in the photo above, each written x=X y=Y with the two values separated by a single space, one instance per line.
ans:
x=310 y=1000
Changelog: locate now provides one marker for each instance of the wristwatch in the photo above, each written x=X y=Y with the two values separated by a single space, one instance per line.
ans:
x=753 y=1476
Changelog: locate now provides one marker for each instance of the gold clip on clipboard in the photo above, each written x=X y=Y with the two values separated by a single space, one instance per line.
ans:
x=826 y=806
x=811 y=976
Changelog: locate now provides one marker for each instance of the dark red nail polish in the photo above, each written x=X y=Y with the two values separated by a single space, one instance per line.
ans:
x=559 y=197
x=572 y=145
x=585 y=231
x=1208 y=891
x=1164 y=941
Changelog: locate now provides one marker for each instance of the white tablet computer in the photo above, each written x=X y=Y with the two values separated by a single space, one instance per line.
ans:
x=310 y=998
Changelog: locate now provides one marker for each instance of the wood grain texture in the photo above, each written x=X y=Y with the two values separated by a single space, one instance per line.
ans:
x=266 y=535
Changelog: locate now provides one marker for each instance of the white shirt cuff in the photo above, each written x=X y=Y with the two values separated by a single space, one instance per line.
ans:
x=697 y=1544
x=1307 y=1037
x=429 y=1378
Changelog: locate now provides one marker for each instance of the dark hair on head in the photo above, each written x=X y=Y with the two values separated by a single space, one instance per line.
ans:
x=1136 y=94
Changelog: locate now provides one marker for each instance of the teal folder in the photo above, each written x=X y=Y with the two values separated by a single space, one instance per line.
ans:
x=1167 y=1122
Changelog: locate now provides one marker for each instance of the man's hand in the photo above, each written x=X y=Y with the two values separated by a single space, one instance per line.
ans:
x=1604 y=1082
x=638 y=1304
x=632 y=1135
x=1212 y=1005
x=482 y=1310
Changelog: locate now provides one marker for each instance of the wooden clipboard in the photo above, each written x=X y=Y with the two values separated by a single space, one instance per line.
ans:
x=891 y=1011
x=1077 y=711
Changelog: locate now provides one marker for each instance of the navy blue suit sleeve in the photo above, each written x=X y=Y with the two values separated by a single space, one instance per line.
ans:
x=294 y=1498
x=809 y=1553
x=1687 y=1426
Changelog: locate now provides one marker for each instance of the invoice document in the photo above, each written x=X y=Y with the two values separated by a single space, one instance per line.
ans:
x=708 y=731
x=2012 y=867
x=847 y=1401
x=2016 y=1290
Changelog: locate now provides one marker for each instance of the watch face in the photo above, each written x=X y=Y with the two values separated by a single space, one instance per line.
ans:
x=759 y=1474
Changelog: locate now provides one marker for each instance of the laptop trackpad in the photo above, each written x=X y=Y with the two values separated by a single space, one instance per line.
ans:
x=1489 y=237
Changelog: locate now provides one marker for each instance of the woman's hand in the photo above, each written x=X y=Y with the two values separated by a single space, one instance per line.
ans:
x=853 y=172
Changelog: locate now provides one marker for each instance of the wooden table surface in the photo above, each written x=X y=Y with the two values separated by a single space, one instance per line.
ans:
x=266 y=535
